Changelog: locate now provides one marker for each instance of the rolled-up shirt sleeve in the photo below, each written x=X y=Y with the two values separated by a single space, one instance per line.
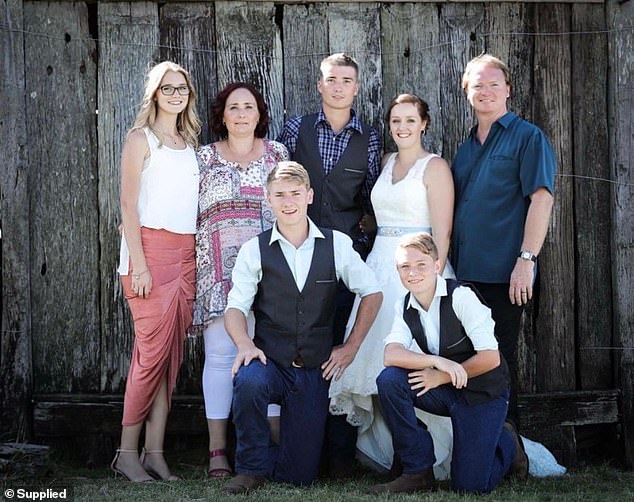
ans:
x=246 y=275
x=475 y=318
x=351 y=269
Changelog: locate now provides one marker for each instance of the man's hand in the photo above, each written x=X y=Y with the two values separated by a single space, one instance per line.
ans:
x=340 y=358
x=521 y=284
x=456 y=371
x=245 y=356
x=427 y=379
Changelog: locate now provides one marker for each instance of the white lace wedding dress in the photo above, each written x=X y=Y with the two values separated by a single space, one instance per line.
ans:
x=400 y=208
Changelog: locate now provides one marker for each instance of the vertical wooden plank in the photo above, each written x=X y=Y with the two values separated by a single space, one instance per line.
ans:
x=459 y=27
x=249 y=49
x=507 y=31
x=16 y=378
x=61 y=128
x=506 y=36
x=555 y=326
x=305 y=44
x=411 y=62
x=188 y=38
x=621 y=133
x=187 y=34
x=354 y=28
x=592 y=197
x=128 y=43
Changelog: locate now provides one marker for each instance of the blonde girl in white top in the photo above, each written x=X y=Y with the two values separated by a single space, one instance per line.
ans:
x=159 y=190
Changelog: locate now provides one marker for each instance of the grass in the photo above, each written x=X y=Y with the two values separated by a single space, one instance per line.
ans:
x=592 y=483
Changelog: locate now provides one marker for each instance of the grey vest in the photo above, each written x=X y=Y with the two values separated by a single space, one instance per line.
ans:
x=337 y=200
x=456 y=345
x=291 y=323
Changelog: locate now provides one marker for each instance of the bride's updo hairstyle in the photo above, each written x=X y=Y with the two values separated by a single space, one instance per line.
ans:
x=420 y=104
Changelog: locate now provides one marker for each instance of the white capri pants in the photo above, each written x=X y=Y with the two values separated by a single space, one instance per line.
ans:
x=220 y=352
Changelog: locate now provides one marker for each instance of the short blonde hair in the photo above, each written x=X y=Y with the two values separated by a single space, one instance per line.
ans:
x=489 y=60
x=339 y=59
x=422 y=242
x=288 y=170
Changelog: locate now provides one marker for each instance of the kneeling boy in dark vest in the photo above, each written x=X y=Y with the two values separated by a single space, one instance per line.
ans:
x=441 y=356
x=289 y=276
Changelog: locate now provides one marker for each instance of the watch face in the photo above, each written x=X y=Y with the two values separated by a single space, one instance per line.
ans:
x=527 y=255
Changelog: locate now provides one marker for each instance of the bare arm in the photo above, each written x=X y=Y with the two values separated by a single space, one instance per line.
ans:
x=343 y=355
x=440 y=200
x=135 y=151
x=236 y=327
x=535 y=229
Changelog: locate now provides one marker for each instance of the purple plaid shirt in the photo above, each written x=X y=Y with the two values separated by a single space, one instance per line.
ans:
x=332 y=146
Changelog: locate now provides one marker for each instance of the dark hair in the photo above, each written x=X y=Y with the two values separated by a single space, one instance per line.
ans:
x=421 y=106
x=218 y=109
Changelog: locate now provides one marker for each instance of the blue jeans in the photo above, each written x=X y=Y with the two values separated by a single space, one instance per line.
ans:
x=303 y=396
x=482 y=449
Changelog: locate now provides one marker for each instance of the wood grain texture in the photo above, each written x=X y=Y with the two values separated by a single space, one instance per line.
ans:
x=187 y=34
x=249 y=49
x=305 y=44
x=621 y=118
x=555 y=323
x=16 y=376
x=63 y=198
x=507 y=36
x=411 y=63
x=592 y=197
x=354 y=29
x=188 y=38
x=128 y=44
x=459 y=28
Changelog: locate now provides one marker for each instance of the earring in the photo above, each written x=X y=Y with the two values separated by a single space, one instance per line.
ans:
x=424 y=132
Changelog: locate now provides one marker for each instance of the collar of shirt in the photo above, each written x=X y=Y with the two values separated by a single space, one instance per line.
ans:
x=354 y=122
x=313 y=233
x=441 y=290
x=505 y=121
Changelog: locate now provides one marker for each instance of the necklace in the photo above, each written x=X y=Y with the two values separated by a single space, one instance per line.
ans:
x=175 y=138
x=242 y=159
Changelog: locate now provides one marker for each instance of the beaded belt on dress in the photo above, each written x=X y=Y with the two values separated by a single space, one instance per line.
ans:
x=398 y=231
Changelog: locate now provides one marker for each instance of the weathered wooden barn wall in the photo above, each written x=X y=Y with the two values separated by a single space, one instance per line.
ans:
x=72 y=77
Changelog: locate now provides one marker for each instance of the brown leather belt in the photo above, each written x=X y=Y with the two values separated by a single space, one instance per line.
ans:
x=298 y=362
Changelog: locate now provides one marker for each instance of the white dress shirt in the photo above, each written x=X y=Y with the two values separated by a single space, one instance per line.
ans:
x=247 y=271
x=474 y=316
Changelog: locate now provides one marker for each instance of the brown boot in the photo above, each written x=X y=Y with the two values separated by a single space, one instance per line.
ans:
x=407 y=483
x=519 y=467
x=243 y=483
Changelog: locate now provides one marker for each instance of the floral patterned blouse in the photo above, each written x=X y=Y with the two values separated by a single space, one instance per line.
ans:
x=232 y=208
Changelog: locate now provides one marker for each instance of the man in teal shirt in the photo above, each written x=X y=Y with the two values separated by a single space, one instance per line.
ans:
x=504 y=180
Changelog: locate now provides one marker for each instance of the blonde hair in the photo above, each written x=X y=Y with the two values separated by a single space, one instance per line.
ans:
x=422 y=242
x=489 y=60
x=288 y=170
x=339 y=59
x=187 y=123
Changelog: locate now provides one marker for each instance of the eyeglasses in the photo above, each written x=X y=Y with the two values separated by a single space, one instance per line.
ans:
x=169 y=90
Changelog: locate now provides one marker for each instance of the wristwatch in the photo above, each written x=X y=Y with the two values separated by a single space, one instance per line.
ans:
x=527 y=255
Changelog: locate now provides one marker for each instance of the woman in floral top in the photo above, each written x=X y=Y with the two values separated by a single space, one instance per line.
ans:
x=232 y=209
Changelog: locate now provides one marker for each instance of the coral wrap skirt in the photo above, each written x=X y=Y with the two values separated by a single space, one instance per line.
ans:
x=161 y=320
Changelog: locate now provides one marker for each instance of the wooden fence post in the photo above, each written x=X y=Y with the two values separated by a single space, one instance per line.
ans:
x=128 y=44
x=16 y=377
x=621 y=113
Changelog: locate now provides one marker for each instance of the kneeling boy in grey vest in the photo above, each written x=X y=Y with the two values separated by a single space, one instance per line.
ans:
x=289 y=276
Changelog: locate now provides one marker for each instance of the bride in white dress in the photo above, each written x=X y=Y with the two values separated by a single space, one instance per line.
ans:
x=414 y=193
